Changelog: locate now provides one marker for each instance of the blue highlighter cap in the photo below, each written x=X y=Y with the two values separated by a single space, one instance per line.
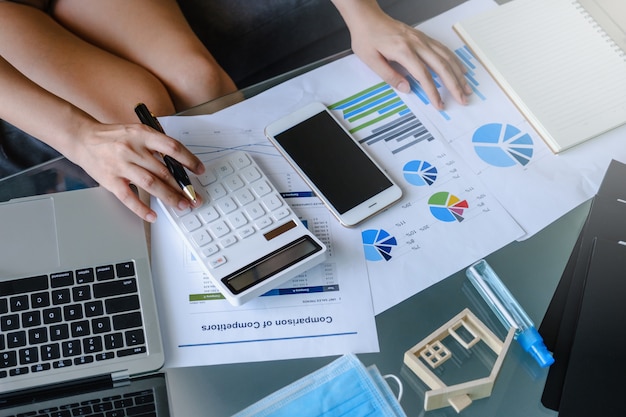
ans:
x=532 y=342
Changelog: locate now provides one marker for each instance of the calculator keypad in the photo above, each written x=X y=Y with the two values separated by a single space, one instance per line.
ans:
x=238 y=201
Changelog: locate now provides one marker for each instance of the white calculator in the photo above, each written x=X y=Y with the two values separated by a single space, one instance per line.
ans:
x=245 y=235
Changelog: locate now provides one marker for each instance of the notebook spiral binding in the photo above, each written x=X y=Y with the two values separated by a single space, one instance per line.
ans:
x=620 y=52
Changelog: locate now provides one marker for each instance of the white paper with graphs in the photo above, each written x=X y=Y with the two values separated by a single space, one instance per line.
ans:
x=557 y=63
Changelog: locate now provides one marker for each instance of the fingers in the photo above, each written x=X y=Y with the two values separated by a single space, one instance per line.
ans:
x=451 y=71
x=135 y=161
x=166 y=145
x=418 y=54
x=131 y=200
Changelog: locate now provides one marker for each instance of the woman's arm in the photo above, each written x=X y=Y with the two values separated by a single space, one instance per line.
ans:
x=114 y=155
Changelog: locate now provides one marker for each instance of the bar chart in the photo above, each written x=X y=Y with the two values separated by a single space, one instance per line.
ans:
x=378 y=114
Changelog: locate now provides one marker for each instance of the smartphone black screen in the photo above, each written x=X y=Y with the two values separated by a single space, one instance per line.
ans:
x=333 y=161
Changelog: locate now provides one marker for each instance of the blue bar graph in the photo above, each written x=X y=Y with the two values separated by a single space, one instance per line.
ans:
x=469 y=61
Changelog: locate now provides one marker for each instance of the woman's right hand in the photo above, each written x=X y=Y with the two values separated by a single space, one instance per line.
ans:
x=117 y=155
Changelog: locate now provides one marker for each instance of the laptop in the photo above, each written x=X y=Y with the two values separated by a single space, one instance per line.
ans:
x=77 y=309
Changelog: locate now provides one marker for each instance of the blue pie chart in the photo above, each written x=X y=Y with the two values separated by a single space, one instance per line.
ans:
x=419 y=173
x=378 y=244
x=503 y=145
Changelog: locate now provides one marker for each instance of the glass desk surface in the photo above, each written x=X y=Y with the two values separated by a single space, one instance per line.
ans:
x=531 y=269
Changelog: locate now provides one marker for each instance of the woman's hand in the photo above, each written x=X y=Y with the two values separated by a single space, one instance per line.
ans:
x=378 y=40
x=118 y=155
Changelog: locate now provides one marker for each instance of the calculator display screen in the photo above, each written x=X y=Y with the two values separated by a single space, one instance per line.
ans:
x=271 y=264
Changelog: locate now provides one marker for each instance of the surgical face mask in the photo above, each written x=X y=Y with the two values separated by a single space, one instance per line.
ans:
x=342 y=388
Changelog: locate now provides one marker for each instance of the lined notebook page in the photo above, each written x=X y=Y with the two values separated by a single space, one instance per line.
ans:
x=559 y=68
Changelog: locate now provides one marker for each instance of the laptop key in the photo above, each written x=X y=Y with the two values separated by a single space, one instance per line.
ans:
x=8 y=359
x=16 y=339
x=61 y=296
x=62 y=279
x=105 y=272
x=19 y=303
x=24 y=285
x=125 y=269
x=121 y=304
x=134 y=351
x=9 y=322
x=127 y=321
x=111 y=288
x=39 y=300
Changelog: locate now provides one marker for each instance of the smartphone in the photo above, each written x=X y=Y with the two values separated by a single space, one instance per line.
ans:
x=338 y=170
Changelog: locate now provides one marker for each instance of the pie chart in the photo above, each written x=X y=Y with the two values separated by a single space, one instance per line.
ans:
x=419 y=173
x=447 y=207
x=503 y=145
x=378 y=244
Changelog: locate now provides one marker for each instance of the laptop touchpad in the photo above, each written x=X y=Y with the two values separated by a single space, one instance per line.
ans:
x=28 y=237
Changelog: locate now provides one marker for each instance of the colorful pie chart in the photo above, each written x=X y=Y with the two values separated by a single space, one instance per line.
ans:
x=447 y=207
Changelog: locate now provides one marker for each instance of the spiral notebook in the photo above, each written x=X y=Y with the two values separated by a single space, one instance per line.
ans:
x=561 y=62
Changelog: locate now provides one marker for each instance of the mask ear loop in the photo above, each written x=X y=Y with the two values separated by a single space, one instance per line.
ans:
x=400 y=387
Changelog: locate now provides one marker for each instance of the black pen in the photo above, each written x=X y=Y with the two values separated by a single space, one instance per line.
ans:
x=175 y=167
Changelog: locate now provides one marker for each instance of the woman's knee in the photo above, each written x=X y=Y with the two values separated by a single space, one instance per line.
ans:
x=197 y=79
x=137 y=87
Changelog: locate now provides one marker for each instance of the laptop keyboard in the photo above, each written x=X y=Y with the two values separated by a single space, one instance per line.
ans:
x=139 y=404
x=69 y=319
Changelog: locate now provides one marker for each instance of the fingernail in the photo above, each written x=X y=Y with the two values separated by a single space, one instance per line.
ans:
x=151 y=218
x=183 y=205
x=403 y=87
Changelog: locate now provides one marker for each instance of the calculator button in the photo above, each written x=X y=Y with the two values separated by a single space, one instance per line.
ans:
x=241 y=161
x=251 y=174
x=216 y=191
x=263 y=223
x=224 y=169
x=234 y=182
x=272 y=202
x=246 y=231
x=209 y=250
x=261 y=188
x=209 y=214
x=219 y=228
x=181 y=213
x=207 y=178
x=228 y=241
x=227 y=205
x=237 y=220
x=255 y=211
x=201 y=237
x=244 y=197
x=190 y=223
x=216 y=262
x=281 y=213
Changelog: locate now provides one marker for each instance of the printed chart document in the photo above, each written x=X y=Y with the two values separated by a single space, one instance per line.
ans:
x=324 y=311
x=556 y=63
x=534 y=185
x=475 y=178
x=447 y=217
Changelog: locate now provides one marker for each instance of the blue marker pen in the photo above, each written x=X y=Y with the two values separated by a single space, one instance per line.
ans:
x=508 y=310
